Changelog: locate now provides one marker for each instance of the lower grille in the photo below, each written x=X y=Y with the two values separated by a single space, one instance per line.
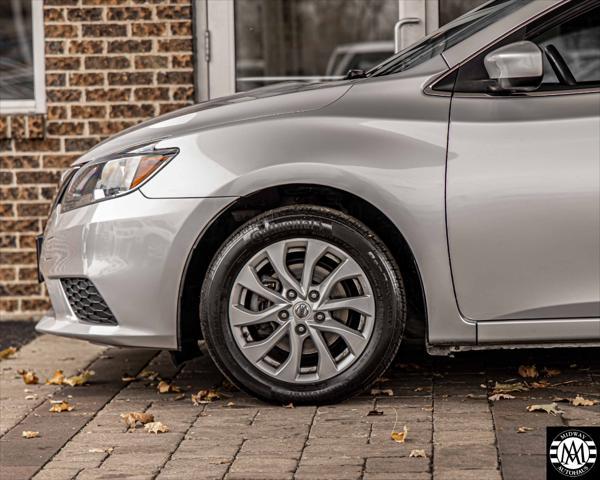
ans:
x=86 y=301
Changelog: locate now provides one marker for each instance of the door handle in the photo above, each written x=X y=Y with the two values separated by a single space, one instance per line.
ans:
x=398 y=29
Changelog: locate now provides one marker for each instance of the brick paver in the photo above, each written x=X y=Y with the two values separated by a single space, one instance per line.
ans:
x=443 y=402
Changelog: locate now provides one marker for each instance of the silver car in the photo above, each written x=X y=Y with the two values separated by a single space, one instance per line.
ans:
x=304 y=230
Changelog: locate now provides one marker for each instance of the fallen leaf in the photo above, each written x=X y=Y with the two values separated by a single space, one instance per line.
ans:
x=61 y=406
x=230 y=404
x=29 y=377
x=206 y=396
x=418 y=389
x=81 y=379
x=385 y=391
x=400 y=437
x=128 y=378
x=101 y=450
x=540 y=384
x=551 y=372
x=509 y=387
x=528 y=371
x=289 y=405
x=551 y=408
x=375 y=413
x=524 y=429
x=148 y=375
x=156 y=427
x=417 y=454
x=579 y=401
x=29 y=434
x=7 y=353
x=30 y=397
x=57 y=379
x=501 y=396
x=165 y=387
x=132 y=418
x=561 y=399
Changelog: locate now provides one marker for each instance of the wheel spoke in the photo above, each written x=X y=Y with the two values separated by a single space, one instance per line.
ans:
x=277 y=254
x=240 y=316
x=315 y=249
x=248 y=279
x=256 y=351
x=353 y=338
x=290 y=369
x=326 y=366
x=345 y=270
x=364 y=304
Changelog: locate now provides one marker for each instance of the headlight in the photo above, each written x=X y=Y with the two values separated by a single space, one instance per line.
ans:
x=112 y=177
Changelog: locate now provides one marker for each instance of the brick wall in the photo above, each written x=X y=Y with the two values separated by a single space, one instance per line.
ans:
x=109 y=64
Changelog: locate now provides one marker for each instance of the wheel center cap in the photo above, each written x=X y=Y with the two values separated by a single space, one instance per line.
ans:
x=302 y=310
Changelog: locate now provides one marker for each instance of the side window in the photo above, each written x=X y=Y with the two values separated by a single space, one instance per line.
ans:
x=569 y=40
x=577 y=43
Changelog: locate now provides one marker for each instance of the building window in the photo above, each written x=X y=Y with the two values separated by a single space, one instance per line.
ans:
x=22 y=85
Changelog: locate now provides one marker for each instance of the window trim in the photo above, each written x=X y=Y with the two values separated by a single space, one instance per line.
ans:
x=430 y=87
x=38 y=103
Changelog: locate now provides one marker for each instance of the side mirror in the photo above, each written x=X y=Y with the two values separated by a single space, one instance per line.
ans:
x=518 y=67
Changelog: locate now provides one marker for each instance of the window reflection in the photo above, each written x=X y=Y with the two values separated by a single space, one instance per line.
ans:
x=16 y=53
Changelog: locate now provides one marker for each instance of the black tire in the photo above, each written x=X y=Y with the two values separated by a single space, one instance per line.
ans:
x=346 y=233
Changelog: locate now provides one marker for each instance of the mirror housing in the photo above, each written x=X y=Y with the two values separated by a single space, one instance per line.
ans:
x=517 y=67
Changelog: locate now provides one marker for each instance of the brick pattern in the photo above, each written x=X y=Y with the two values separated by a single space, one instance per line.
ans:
x=109 y=65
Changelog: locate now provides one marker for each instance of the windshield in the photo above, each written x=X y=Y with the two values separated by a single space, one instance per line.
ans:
x=448 y=36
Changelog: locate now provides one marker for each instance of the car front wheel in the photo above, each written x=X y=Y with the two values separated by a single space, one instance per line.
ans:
x=303 y=304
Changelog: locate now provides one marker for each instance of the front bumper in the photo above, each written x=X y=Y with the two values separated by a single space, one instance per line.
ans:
x=134 y=250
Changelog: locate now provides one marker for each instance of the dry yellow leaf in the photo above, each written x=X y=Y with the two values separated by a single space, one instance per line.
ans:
x=551 y=372
x=400 y=437
x=501 y=396
x=81 y=379
x=156 y=427
x=385 y=391
x=579 y=401
x=417 y=453
x=132 y=418
x=551 y=408
x=509 y=387
x=62 y=406
x=528 y=371
x=148 y=375
x=30 y=434
x=29 y=377
x=206 y=396
x=165 y=387
x=57 y=379
x=7 y=353
x=524 y=429
x=101 y=450
x=540 y=384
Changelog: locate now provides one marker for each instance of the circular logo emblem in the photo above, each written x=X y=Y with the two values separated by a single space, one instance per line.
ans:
x=573 y=453
x=302 y=310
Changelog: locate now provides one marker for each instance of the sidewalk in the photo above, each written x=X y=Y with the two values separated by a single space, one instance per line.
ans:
x=442 y=401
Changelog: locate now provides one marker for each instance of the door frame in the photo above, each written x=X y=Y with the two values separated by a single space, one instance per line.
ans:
x=214 y=40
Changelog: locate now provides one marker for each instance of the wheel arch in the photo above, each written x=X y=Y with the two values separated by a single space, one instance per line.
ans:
x=251 y=205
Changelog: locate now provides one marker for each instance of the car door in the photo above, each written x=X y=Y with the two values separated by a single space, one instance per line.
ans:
x=523 y=183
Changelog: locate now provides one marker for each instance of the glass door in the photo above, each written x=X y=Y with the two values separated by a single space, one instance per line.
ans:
x=246 y=44
x=257 y=43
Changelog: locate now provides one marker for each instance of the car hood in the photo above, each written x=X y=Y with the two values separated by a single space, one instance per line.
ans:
x=286 y=98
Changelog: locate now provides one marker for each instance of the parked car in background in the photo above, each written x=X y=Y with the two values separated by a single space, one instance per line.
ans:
x=297 y=229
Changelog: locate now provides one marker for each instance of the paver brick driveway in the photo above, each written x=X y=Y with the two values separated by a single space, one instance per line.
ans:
x=442 y=401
